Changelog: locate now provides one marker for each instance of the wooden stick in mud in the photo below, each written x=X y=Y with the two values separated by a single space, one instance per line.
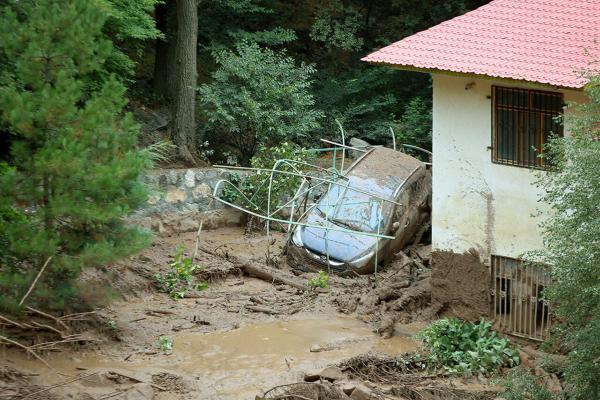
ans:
x=10 y=321
x=27 y=349
x=35 y=280
x=262 y=273
x=57 y=320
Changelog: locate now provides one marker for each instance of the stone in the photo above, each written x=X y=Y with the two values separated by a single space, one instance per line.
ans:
x=312 y=376
x=189 y=178
x=188 y=225
x=333 y=374
x=153 y=198
x=317 y=348
x=201 y=191
x=173 y=177
x=358 y=143
x=361 y=392
x=347 y=387
x=329 y=374
x=175 y=195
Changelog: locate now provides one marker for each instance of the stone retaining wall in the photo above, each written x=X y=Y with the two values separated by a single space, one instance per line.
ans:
x=180 y=198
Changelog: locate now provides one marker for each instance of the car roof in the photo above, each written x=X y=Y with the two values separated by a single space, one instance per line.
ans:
x=383 y=167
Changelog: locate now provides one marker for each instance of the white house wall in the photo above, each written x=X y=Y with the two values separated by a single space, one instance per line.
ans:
x=478 y=204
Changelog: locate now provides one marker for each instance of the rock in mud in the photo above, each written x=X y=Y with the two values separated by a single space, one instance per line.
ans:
x=361 y=392
x=333 y=374
x=329 y=374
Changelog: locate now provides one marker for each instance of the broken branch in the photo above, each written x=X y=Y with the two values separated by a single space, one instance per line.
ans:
x=35 y=280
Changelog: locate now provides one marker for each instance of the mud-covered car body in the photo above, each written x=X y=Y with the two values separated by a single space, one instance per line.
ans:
x=381 y=173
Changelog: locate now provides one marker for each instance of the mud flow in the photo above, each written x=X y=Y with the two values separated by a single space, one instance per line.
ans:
x=236 y=364
x=251 y=330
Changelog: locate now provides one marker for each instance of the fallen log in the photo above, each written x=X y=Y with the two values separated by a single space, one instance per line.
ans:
x=266 y=275
x=264 y=310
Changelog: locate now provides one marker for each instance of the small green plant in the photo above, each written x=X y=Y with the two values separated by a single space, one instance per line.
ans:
x=180 y=278
x=462 y=347
x=519 y=384
x=321 y=280
x=111 y=324
x=165 y=343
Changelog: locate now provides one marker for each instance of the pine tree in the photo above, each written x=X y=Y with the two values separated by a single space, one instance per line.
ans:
x=75 y=165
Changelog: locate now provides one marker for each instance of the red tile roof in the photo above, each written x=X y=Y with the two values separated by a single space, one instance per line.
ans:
x=545 y=41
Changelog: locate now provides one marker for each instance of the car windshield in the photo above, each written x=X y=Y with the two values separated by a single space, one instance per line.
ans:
x=353 y=209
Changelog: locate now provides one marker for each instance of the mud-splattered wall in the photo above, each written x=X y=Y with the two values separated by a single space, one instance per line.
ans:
x=476 y=204
x=180 y=198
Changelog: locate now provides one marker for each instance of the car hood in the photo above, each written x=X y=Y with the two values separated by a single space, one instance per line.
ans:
x=342 y=246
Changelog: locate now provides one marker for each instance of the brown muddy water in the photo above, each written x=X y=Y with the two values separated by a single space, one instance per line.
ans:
x=235 y=364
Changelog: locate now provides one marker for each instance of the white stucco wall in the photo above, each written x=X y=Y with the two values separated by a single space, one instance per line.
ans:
x=478 y=204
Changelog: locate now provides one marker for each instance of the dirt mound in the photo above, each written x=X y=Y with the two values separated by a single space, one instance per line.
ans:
x=400 y=293
x=461 y=284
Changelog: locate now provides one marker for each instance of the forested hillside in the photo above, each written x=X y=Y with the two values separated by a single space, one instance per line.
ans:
x=226 y=76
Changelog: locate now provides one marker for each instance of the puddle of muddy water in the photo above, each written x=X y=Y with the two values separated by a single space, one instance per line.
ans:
x=240 y=363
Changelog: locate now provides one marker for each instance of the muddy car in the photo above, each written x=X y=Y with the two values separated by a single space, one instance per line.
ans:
x=384 y=192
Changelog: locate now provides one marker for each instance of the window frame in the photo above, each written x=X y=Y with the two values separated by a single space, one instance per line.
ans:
x=539 y=112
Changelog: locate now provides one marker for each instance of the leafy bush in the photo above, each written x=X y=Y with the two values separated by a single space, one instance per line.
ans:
x=180 y=278
x=259 y=97
x=321 y=280
x=571 y=242
x=519 y=384
x=465 y=347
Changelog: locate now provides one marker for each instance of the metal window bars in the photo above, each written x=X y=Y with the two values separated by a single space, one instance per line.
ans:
x=519 y=307
x=523 y=121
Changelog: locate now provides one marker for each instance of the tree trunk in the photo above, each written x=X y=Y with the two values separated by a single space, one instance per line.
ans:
x=165 y=56
x=184 y=122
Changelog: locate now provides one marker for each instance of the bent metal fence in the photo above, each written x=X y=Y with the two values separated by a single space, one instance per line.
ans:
x=517 y=301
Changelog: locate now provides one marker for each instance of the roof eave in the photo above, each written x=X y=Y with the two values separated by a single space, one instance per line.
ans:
x=473 y=75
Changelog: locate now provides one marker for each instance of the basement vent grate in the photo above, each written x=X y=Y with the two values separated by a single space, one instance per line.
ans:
x=518 y=305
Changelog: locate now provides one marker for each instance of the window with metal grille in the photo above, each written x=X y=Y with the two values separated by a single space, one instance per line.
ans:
x=523 y=121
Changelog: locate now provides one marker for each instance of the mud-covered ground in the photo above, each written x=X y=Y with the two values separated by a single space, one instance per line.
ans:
x=234 y=340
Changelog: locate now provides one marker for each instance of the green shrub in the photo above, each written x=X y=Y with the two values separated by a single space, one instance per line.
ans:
x=519 y=384
x=180 y=279
x=165 y=343
x=467 y=348
x=321 y=280
x=259 y=97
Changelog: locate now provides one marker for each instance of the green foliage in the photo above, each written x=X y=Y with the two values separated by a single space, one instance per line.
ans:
x=415 y=125
x=129 y=23
x=466 y=348
x=319 y=281
x=519 y=384
x=259 y=97
x=165 y=343
x=270 y=37
x=338 y=27
x=180 y=278
x=255 y=188
x=571 y=235
x=73 y=152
